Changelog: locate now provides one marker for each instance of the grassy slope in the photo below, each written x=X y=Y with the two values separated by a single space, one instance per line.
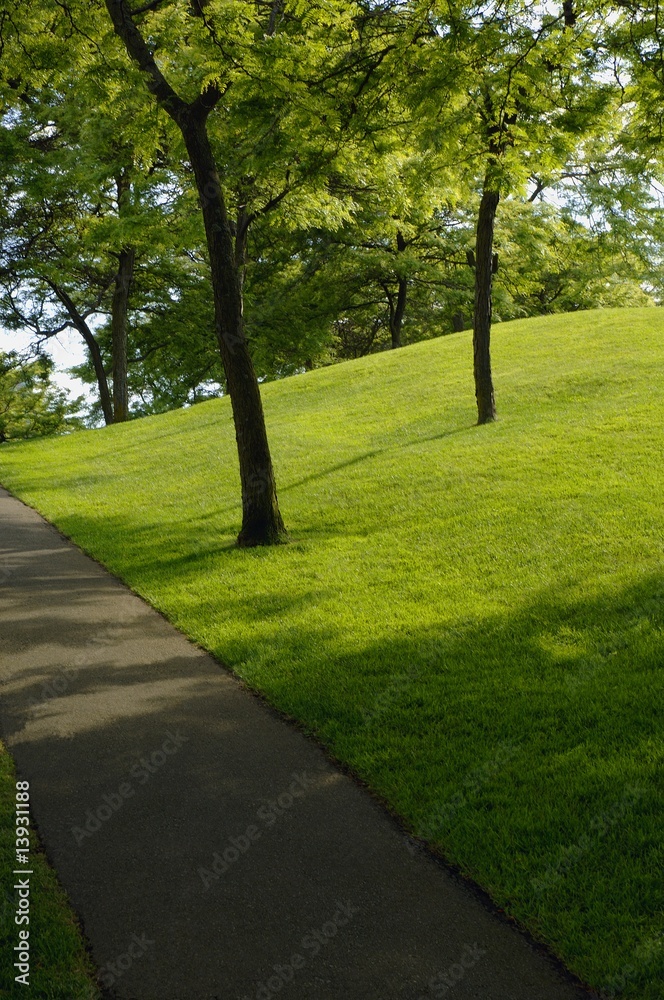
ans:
x=470 y=617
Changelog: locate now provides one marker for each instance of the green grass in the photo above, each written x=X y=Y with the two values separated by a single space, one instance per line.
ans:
x=471 y=618
x=60 y=968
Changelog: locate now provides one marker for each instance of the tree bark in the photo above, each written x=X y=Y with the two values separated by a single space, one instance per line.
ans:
x=102 y=381
x=486 y=406
x=398 y=308
x=119 y=310
x=261 y=520
x=95 y=353
x=458 y=322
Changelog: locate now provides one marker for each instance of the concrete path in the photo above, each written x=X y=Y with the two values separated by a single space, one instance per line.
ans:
x=211 y=850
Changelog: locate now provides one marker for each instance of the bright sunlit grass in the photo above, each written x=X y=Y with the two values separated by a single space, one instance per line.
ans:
x=470 y=617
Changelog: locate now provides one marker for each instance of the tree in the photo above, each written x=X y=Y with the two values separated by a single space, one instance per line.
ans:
x=172 y=356
x=30 y=405
x=97 y=233
x=39 y=231
x=551 y=261
x=261 y=518
x=531 y=90
x=283 y=69
x=518 y=66
x=401 y=247
x=64 y=259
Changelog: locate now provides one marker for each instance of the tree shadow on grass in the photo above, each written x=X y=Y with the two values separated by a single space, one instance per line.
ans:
x=94 y=477
x=525 y=746
x=374 y=453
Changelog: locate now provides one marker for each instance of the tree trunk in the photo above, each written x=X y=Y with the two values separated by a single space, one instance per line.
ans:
x=102 y=381
x=95 y=354
x=261 y=519
x=458 y=322
x=119 y=310
x=398 y=308
x=486 y=407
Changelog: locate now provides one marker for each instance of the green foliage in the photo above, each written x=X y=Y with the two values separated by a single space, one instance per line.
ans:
x=30 y=405
x=353 y=142
x=470 y=618
x=537 y=90
x=64 y=225
x=551 y=263
x=173 y=358
x=276 y=138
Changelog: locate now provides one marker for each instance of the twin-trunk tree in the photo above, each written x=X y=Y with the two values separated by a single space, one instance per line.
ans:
x=261 y=519
x=45 y=248
x=115 y=404
x=397 y=303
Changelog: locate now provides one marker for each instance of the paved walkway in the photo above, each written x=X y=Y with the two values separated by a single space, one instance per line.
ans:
x=211 y=850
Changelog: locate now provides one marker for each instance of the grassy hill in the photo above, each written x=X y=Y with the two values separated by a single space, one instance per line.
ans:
x=471 y=618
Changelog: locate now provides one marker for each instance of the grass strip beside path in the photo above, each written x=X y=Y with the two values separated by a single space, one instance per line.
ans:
x=60 y=968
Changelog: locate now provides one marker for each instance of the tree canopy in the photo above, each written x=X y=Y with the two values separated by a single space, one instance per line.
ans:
x=217 y=192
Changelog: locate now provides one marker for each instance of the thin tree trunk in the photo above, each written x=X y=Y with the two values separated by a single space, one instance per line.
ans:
x=275 y=14
x=486 y=406
x=396 y=315
x=119 y=310
x=95 y=353
x=398 y=308
x=102 y=381
x=261 y=519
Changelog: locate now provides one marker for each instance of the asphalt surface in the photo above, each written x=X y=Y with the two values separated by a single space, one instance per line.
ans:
x=209 y=848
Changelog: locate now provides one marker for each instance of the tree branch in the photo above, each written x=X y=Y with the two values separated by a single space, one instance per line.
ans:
x=207 y=100
x=277 y=9
x=138 y=50
x=268 y=206
x=539 y=187
x=146 y=8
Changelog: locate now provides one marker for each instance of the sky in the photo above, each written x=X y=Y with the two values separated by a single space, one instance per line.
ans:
x=67 y=350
